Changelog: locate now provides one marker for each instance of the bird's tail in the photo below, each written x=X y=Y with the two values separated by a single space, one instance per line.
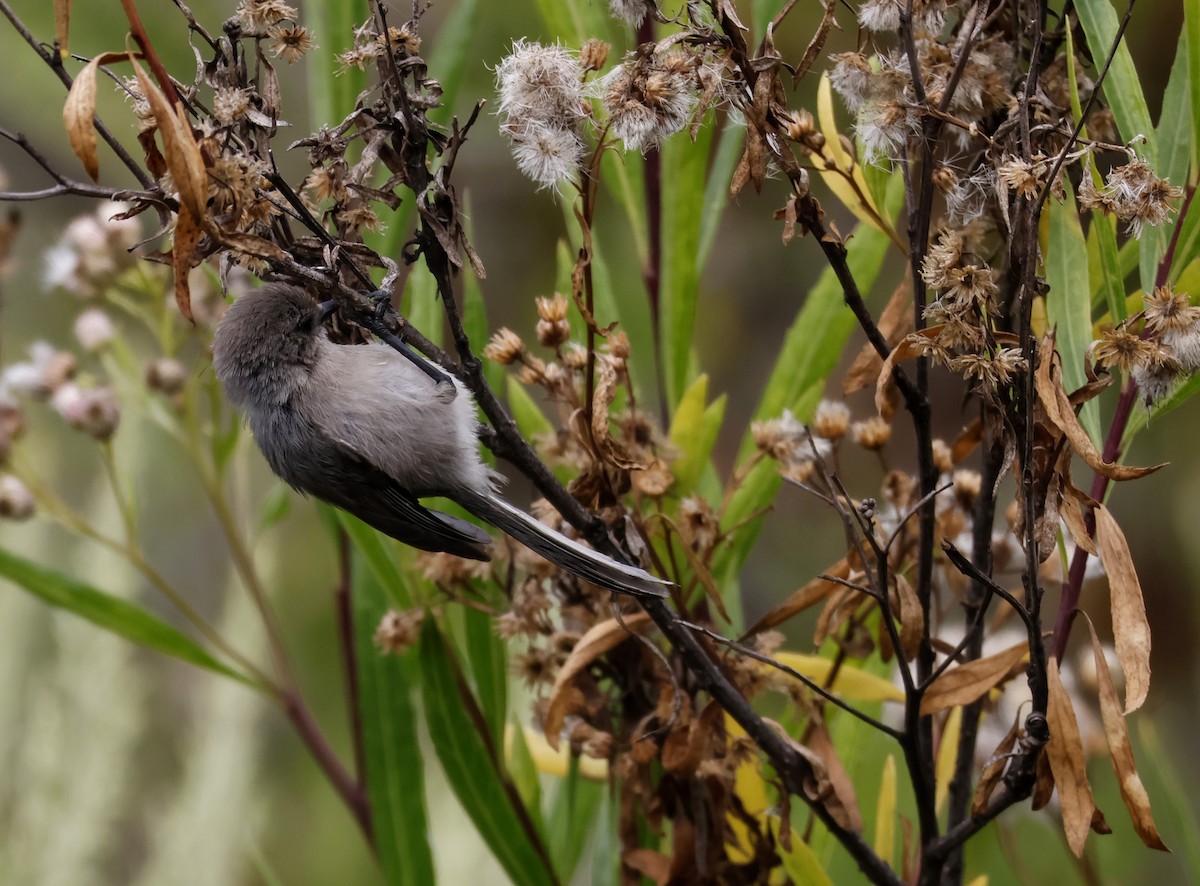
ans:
x=582 y=561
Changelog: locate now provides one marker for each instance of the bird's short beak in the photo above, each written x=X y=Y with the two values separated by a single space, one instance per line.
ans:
x=325 y=308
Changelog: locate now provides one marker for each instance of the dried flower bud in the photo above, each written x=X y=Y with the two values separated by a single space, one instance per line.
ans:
x=505 y=347
x=655 y=480
x=943 y=457
x=594 y=54
x=648 y=98
x=43 y=373
x=166 y=375
x=553 y=330
x=780 y=438
x=94 y=330
x=16 y=501
x=872 y=434
x=831 y=420
x=967 y=486
x=599 y=746
x=95 y=411
x=91 y=252
x=398 y=631
x=698 y=524
x=291 y=43
x=632 y=12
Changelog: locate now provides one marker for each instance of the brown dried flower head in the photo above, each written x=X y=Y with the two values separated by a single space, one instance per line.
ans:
x=399 y=631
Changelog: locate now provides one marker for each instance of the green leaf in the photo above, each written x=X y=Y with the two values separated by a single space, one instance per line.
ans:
x=801 y=863
x=374 y=550
x=573 y=811
x=684 y=170
x=450 y=54
x=489 y=668
x=275 y=507
x=575 y=21
x=1104 y=267
x=1069 y=301
x=395 y=769
x=694 y=430
x=1123 y=90
x=1191 y=37
x=814 y=342
x=111 y=613
x=530 y=419
x=730 y=145
x=473 y=767
x=1174 y=131
x=422 y=305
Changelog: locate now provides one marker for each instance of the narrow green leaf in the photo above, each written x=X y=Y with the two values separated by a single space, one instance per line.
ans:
x=374 y=550
x=1069 y=301
x=575 y=21
x=573 y=811
x=450 y=54
x=1123 y=90
x=1191 y=37
x=275 y=507
x=1122 y=87
x=694 y=429
x=684 y=169
x=814 y=342
x=489 y=668
x=111 y=613
x=530 y=419
x=1104 y=268
x=422 y=306
x=395 y=769
x=1187 y=249
x=716 y=192
x=801 y=863
x=522 y=769
x=473 y=768
x=1174 y=131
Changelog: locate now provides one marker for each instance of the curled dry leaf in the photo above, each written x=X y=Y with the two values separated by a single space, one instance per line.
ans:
x=180 y=150
x=909 y=347
x=813 y=592
x=1053 y=398
x=837 y=789
x=599 y=639
x=967 y=682
x=62 y=26
x=1133 y=792
x=602 y=400
x=649 y=863
x=1067 y=763
x=895 y=321
x=79 y=111
x=994 y=768
x=183 y=258
x=1071 y=510
x=1131 y=629
x=907 y=609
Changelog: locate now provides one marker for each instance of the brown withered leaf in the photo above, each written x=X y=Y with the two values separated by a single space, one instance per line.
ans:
x=966 y=441
x=907 y=608
x=839 y=796
x=599 y=639
x=79 y=110
x=1043 y=785
x=180 y=150
x=994 y=768
x=813 y=592
x=965 y=683
x=1130 y=626
x=183 y=259
x=1054 y=399
x=908 y=348
x=1133 y=792
x=895 y=322
x=1071 y=510
x=649 y=863
x=602 y=399
x=62 y=26
x=1067 y=763
x=841 y=604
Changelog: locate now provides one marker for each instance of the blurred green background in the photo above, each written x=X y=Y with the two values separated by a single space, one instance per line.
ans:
x=117 y=766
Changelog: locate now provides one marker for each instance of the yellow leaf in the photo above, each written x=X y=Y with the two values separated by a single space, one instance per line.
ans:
x=800 y=863
x=850 y=683
x=852 y=192
x=947 y=757
x=751 y=791
x=885 y=813
x=555 y=762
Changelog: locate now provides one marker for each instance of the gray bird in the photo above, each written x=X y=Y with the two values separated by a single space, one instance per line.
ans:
x=363 y=428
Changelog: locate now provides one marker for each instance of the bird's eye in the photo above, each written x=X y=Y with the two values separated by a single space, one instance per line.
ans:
x=306 y=321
